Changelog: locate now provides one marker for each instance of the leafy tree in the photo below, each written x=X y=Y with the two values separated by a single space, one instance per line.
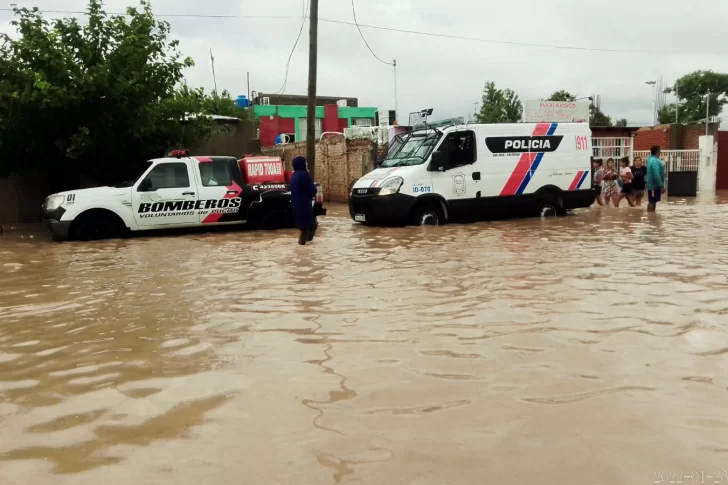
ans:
x=621 y=123
x=597 y=118
x=93 y=98
x=693 y=91
x=561 y=95
x=499 y=105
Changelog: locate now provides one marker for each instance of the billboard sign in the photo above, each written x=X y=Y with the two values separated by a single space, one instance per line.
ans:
x=556 y=112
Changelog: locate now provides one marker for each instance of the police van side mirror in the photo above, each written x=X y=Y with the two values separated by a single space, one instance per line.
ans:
x=439 y=161
x=145 y=186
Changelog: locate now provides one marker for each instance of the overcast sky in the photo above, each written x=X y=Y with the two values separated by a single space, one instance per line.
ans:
x=448 y=74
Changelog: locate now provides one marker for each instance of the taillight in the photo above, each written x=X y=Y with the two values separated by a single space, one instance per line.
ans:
x=319 y=195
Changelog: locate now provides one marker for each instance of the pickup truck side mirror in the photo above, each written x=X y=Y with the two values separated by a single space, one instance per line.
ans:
x=145 y=186
x=439 y=162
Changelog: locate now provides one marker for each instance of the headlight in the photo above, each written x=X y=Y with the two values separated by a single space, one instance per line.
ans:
x=391 y=186
x=53 y=202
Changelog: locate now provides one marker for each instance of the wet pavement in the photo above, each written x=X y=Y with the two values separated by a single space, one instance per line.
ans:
x=590 y=349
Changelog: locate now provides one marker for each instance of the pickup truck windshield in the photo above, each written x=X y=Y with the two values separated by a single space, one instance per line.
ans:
x=414 y=151
x=128 y=183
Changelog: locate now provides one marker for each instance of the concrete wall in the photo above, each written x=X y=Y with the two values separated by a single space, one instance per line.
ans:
x=339 y=162
x=21 y=197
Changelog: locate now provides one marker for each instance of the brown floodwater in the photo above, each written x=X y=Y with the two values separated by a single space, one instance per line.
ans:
x=590 y=349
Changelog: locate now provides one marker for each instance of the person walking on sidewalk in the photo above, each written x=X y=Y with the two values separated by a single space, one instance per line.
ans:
x=303 y=191
x=655 y=179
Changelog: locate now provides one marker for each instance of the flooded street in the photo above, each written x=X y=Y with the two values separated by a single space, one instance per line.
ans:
x=590 y=349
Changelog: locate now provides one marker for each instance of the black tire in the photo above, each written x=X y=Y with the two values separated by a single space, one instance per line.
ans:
x=428 y=214
x=550 y=207
x=92 y=227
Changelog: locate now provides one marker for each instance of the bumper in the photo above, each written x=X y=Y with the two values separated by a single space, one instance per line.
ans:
x=578 y=199
x=390 y=209
x=60 y=229
x=52 y=220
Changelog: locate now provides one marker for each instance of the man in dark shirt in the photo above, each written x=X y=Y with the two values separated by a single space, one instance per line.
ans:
x=639 y=172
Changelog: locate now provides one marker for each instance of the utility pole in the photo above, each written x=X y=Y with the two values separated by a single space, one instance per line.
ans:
x=677 y=105
x=311 y=106
x=707 y=112
x=214 y=78
x=396 y=108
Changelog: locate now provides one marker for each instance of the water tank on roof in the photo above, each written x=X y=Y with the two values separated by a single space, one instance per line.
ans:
x=242 y=101
x=341 y=103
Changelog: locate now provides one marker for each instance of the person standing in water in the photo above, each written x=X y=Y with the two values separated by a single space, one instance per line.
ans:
x=610 y=189
x=655 y=179
x=625 y=173
x=598 y=175
x=639 y=173
x=303 y=192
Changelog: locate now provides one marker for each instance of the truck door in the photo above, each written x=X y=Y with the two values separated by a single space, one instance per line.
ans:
x=220 y=191
x=459 y=182
x=165 y=195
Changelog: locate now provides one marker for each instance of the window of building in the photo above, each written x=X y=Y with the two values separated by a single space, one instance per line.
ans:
x=303 y=129
x=214 y=174
x=169 y=176
x=362 y=121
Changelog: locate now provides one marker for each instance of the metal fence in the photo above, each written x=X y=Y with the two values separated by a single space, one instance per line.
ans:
x=676 y=160
x=604 y=148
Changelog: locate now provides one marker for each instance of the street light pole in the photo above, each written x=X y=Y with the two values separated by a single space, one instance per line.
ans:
x=654 y=100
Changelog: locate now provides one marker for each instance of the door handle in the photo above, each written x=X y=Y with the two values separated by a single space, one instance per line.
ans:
x=476 y=175
x=188 y=193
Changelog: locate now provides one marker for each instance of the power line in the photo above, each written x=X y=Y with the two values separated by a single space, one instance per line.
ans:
x=288 y=63
x=406 y=31
x=353 y=10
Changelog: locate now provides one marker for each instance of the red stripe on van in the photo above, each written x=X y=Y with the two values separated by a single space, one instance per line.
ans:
x=576 y=180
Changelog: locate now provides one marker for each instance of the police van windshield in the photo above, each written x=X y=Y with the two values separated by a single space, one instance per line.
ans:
x=414 y=151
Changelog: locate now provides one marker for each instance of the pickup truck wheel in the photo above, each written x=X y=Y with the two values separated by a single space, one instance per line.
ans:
x=96 y=226
x=427 y=214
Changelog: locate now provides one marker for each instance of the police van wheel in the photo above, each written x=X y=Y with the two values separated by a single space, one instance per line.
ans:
x=96 y=226
x=550 y=207
x=428 y=215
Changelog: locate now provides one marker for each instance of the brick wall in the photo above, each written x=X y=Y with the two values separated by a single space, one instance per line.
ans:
x=672 y=137
x=647 y=137
x=339 y=163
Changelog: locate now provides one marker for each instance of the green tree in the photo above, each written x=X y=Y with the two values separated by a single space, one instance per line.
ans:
x=95 y=98
x=597 y=118
x=693 y=92
x=621 y=123
x=561 y=95
x=499 y=106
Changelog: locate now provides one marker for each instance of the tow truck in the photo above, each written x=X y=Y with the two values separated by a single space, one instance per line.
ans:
x=180 y=191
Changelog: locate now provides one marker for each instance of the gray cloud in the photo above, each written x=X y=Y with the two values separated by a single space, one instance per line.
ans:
x=448 y=74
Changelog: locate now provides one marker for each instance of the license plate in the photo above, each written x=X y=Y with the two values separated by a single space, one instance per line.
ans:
x=360 y=217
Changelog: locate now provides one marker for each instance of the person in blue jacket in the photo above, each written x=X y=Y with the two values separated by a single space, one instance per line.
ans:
x=655 y=179
x=303 y=192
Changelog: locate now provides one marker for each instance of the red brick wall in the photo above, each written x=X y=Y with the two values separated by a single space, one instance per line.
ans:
x=647 y=137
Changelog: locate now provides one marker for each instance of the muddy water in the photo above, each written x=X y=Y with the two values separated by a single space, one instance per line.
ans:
x=588 y=350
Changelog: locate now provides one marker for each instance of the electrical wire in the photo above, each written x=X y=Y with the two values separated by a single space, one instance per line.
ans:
x=353 y=11
x=290 y=56
x=405 y=31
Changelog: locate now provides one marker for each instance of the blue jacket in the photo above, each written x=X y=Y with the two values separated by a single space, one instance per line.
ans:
x=303 y=192
x=655 y=173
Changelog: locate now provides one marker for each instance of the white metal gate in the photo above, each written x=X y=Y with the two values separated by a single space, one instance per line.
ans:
x=616 y=148
x=676 y=161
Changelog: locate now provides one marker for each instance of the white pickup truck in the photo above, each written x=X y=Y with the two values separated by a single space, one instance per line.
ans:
x=180 y=192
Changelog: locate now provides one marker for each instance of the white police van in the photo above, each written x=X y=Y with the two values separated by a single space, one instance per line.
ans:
x=465 y=172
